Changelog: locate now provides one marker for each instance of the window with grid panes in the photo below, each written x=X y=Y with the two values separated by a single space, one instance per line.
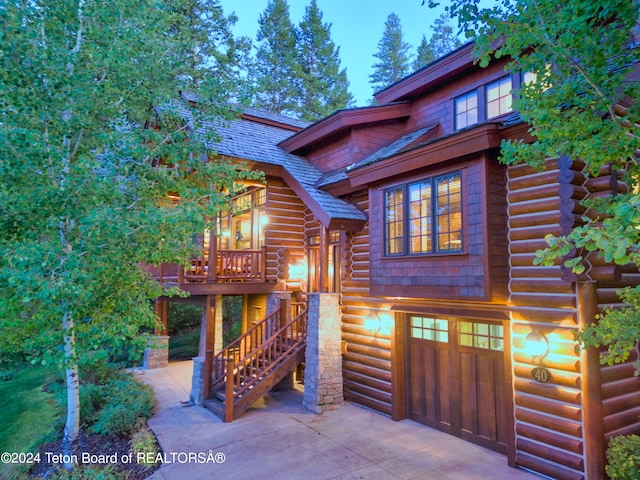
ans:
x=499 y=97
x=434 y=223
x=466 y=110
x=427 y=328
x=489 y=336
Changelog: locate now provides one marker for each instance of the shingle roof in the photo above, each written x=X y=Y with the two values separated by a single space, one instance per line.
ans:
x=404 y=143
x=251 y=140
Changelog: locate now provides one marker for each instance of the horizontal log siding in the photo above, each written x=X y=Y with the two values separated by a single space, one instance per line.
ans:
x=620 y=387
x=285 y=230
x=548 y=418
x=367 y=363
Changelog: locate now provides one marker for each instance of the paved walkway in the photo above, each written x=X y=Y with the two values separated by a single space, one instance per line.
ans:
x=278 y=439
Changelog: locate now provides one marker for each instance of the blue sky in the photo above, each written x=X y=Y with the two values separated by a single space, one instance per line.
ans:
x=356 y=27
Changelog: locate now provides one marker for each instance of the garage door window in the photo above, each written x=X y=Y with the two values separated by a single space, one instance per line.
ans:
x=482 y=335
x=427 y=328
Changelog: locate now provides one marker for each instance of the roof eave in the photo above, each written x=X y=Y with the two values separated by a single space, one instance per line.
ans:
x=435 y=73
x=343 y=120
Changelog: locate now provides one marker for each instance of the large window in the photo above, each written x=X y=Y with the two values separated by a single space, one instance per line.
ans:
x=433 y=219
x=499 y=98
x=245 y=225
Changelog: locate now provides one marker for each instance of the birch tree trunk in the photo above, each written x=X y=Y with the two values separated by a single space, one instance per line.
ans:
x=72 y=424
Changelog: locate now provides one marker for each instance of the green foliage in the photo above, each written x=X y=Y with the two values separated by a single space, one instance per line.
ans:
x=143 y=441
x=87 y=472
x=324 y=86
x=424 y=55
x=183 y=317
x=623 y=458
x=126 y=401
x=276 y=73
x=442 y=41
x=393 y=55
x=581 y=54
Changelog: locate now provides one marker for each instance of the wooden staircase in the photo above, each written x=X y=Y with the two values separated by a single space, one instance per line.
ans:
x=254 y=363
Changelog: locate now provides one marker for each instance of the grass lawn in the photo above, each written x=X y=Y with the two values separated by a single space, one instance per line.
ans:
x=29 y=415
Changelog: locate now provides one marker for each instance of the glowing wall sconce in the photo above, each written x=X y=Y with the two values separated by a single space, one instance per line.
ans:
x=380 y=324
x=298 y=271
x=536 y=345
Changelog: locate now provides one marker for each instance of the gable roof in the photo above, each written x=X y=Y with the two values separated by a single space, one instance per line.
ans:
x=254 y=137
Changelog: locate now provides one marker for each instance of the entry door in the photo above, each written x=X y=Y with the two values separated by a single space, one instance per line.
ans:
x=456 y=378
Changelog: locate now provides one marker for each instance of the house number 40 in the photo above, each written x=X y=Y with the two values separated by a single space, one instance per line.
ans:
x=541 y=375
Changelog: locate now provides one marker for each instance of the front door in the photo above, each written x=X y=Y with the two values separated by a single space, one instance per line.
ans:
x=456 y=378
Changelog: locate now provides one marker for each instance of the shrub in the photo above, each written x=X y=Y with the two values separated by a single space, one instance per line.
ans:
x=143 y=441
x=127 y=401
x=623 y=458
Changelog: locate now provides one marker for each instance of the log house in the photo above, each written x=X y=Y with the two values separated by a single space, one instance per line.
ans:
x=404 y=210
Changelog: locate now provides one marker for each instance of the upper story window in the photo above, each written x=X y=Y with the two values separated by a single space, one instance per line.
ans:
x=499 y=98
x=466 y=110
x=483 y=103
x=424 y=217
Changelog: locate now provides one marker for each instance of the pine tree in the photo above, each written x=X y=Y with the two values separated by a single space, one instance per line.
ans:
x=443 y=40
x=210 y=52
x=276 y=74
x=393 y=55
x=424 y=55
x=324 y=85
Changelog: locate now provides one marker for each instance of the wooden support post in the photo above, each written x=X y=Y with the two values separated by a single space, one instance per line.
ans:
x=399 y=398
x=162 y=313
x=323 y=279
x=591 y=387
x=228 y=392
x=212 y=261
x=208 y=343
x=284 y=313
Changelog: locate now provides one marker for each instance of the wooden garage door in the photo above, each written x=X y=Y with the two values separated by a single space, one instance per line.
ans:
x=456 y=378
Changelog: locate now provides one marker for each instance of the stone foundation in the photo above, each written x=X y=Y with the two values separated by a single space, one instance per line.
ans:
x=323 y=362
x=156 y=355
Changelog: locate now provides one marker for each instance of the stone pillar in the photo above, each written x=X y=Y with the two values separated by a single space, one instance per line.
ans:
x=197 y=381
x=323 y=363
x=156 y=355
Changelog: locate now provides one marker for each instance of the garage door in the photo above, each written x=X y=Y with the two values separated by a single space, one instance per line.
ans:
x=456 y=378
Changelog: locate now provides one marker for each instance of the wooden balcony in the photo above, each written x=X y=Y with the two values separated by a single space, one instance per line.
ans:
x=231 y=267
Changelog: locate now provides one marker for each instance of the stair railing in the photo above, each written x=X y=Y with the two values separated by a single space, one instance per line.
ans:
x=242 y=346
x=249 y=370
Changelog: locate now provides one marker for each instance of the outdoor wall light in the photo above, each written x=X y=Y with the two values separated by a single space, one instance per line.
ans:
x=380 y=324
x=298 y=270
x=536 y=345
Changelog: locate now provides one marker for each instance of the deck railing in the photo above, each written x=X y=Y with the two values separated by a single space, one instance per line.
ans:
x=230 y=266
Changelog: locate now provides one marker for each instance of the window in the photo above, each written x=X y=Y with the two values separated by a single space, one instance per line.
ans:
x=499 y=98
x=244 y=227
x=434 y=216
x=466 y=110
x=426 y=328
x=482 y=335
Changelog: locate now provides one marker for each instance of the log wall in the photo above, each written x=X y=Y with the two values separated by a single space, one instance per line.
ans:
x=549 y=433
x=285 y=230
x=367 y=361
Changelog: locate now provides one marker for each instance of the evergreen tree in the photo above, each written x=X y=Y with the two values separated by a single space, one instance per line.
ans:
x=324 y=85
x=393 y=55
x=443 y=40
x=424 y=55
x=202 y=33
x=276 y=74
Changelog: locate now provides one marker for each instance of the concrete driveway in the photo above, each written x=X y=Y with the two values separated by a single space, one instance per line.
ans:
x=277 y=438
